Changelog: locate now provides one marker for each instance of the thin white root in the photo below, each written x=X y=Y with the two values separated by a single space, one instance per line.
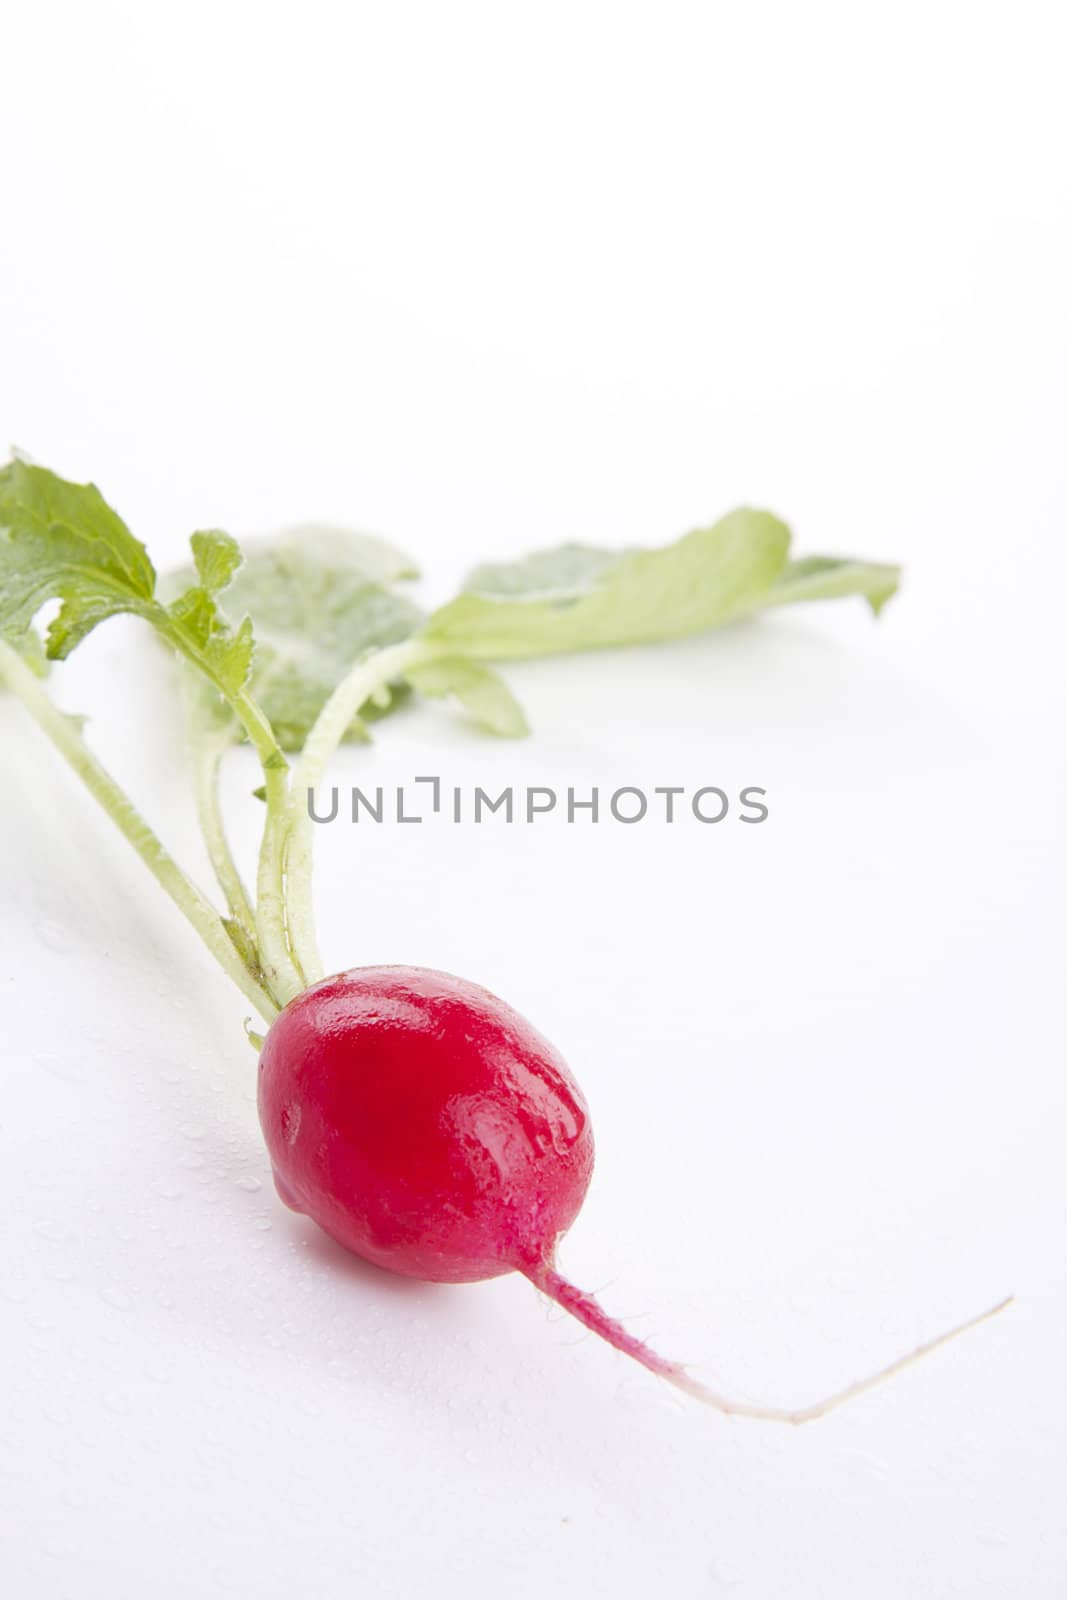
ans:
x=737 y=1408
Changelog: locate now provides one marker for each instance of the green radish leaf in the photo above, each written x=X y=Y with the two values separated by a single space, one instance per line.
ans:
x=30 y=647
x=319 y=598
x=480 y=690
x=563 y=573
x=833 y=578
x=386 y=701
x=578 y=597
x=196 y=613
x=217 y=558
x=575 y=599
x=62 y=541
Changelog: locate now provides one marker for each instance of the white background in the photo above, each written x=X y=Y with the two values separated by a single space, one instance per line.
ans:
x=483 y=277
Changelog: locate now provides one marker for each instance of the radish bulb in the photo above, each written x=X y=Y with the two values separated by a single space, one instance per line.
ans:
x=427 y=1127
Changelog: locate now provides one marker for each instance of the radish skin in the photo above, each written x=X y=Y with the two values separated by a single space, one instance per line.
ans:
x=431 y=1130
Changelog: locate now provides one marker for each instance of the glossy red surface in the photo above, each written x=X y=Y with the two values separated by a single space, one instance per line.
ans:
x=424 y=1124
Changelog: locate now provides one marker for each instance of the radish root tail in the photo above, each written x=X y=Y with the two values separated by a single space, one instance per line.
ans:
x=591 y=1315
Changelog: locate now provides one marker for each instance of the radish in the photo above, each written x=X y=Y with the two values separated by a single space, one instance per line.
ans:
x=418 y=1119
x=424 y=1124
x=430 y=1129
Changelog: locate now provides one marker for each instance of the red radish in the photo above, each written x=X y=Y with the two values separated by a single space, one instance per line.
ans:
x=424 y=1124
x=430 y=1129
x=417 y=1118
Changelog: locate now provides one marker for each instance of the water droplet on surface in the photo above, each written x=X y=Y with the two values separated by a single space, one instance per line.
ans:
x=65 y=1068
x=55 y=937
x=54 y=1232
x=726 y=1574
x=114 y=1296
x=250 y=1183
x=872 y=1465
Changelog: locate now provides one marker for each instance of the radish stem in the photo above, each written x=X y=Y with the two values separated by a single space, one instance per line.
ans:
x=293 y=839
x=64 y=733
x=283 y=975
x=206 y=758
